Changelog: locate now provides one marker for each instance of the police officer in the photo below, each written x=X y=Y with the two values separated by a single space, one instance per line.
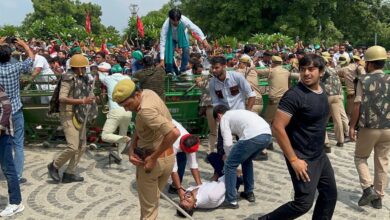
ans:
x=371 y=111
x=151 y=150
x=278 y=79
x=333 y=89
x=349 y=73
x=74 y=97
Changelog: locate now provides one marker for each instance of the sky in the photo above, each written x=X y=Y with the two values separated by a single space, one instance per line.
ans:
x=115 y=12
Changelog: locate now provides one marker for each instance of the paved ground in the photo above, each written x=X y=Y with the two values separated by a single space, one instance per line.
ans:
x=109 y=191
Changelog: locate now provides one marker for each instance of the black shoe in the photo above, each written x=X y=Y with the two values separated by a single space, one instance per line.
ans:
x=376 y=203
x=248 y=196
x=115 y=157
x=270 y=146
x=328 y=150
x=172 y=189
x=340 y=144
x=53 y=172
x=369 y=195
x=22 y=180
x=70 y=178
x=261 y=157
x=347 y=139
x=229 y=205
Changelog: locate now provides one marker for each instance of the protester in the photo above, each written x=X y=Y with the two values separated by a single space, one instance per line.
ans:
x=10 y=76
x=174 y=34
x=6 y=159
x=299 y=127
x=117 y=117
x=185 y=148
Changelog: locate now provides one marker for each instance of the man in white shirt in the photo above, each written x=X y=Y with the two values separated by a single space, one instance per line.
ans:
x=174 y=34
x=185 y=148
x=117 y=115
x=208 y=195
x=254 y=135
x=43 y=75
x=100 y=61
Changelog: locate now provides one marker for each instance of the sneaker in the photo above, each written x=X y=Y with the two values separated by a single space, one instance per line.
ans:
x=70 y=178
x=376 y=203
x=248 y=196
x=12 y=209
x=369 y=195
x=229 y=205
x=22 y=180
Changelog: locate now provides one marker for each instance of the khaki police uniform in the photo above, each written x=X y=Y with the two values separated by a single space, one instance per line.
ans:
x=278 y=79
x=373 y=92
x=205 y=103
x=333 y=89
x=152 y=123
x=250 y=75
x=74 y=149
x=349 y=74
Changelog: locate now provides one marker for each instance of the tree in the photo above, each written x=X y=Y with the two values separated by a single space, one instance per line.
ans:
x=311 y=20
x=9 y=30
x=66 y=18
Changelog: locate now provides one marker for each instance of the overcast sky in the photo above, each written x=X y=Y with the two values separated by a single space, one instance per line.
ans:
x=115 y=12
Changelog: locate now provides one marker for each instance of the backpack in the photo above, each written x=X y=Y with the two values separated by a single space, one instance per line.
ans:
x=54 y=105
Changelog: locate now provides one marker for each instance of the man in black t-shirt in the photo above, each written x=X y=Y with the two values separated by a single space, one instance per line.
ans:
x=299 y=127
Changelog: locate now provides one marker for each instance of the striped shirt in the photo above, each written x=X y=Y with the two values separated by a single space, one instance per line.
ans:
x=9 y=78
x=5 y=113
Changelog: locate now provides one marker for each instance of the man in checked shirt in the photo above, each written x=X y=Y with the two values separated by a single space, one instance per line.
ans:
x=6 y=160
x=9 y=78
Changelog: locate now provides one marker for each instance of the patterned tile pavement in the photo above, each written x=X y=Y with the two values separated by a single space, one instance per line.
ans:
x=109 y=190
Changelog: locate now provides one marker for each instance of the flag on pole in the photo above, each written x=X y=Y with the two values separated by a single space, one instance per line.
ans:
x=140 y=27
x=196 y=36
x=88 y=23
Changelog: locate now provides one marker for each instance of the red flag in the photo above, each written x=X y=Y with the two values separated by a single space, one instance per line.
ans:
x=140 y=27
x=196 y=36
x=88 y=24
x=216 y=44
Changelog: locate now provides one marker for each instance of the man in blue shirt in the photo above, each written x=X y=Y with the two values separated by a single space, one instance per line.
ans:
x=9 y=78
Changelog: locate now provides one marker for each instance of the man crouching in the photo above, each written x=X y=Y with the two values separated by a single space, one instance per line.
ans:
x=151 y=148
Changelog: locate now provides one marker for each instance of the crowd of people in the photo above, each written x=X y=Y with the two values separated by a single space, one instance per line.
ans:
x=239 y=130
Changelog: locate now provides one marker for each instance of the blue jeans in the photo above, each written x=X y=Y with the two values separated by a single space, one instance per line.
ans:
x=18 y=141
x=181 y=159
x=185 y=58
x=8 y=168
x=243 y=152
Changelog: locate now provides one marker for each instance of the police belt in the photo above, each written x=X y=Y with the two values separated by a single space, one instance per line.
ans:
x=274 y=101
x=143 y=153
x=258 y=101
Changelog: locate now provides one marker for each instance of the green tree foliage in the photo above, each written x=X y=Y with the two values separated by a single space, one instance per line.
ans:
x=65 y=19
x=311 y=20
x=9 y=30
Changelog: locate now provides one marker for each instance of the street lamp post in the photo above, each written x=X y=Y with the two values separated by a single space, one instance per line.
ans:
x=134 y=11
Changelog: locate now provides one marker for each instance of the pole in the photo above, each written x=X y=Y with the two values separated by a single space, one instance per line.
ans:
x=134 y=10
x=376 y=38
x=176 y=206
